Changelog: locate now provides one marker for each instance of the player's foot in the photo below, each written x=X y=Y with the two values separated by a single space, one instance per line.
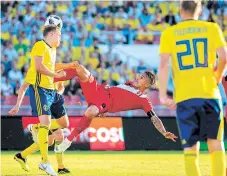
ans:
x=46 y=167
x=63 y=171
x=76 y=64
x=22 y=161
x=34 y=132
x=63 y=146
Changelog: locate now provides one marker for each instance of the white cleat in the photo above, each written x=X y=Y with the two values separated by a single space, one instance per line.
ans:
x=33 y=132
x=63 y=146
x=46 y=167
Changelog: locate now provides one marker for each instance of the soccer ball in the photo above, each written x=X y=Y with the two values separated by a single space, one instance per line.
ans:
x=54 y=19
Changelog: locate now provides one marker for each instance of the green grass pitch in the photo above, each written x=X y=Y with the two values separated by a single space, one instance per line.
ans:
x=109 y=163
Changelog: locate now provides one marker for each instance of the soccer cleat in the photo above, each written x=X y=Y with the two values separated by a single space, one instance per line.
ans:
x=63 y=146
x=63 y=171
x=33 y=132
x=22 y=161
x=46 y=167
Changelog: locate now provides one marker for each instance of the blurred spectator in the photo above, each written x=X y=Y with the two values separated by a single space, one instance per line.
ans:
x=16 y=88
x=93 y=60
x=80 y=94
x=6 y=62
x=145 y=36
x=6 y=88
x=162 y=26
x=115 y=74
x=205 y=12
x=145 y=18
x=103 y=73
x=123 y=77
x=3 y=74
x=21 y=46
x=223 y=10
x=117 y=60
x=133 y=22
x=170 y=18
x=72 y=88
x=224 y=29
x=158 y=18
x=127 y=72
x=10 y=52
x=80 y=32
x=141 y=68
x=103 y=7
x=121 y=14
x=15 y=74
x=22 y=60
x=85 y=26
x=212 y=17
x=24 y=69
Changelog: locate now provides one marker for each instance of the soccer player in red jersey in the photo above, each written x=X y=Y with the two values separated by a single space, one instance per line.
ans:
x=103 y=98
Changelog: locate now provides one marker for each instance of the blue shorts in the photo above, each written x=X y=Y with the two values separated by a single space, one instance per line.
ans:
x=46 y=102
x=199 y=119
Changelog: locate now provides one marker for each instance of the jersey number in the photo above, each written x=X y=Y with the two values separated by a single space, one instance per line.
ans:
x=189 y=52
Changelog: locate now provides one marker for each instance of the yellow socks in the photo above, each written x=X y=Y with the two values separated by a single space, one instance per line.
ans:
x=218 y=163
x=29 y=150
x=35 y=127
x=43 y=142
x=54 y=124
x=59 y=157
x=191 y=163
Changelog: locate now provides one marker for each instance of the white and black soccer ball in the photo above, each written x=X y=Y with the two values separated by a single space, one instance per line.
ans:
x=54 y=20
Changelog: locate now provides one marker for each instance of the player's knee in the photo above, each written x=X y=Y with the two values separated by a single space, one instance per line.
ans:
x=215 y=145
x=64 y=123
x=45 y=120
x=192 y=147
x=92 y=111
x=83 y=74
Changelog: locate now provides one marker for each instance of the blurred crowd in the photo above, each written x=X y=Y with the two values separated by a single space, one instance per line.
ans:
x=85 y=26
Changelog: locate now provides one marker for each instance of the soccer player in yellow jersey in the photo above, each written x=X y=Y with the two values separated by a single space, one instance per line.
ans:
x=41 y=88
x=56 y=135
x=192 y=46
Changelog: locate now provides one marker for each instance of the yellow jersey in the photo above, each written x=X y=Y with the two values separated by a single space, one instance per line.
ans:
x=192 y=45
x=41 y=48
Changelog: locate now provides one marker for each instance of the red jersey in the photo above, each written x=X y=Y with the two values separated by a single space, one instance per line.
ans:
x=117 y=98
x=125 y=97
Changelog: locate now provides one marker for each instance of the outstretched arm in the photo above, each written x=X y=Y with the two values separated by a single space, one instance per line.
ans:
x=63 y=66
x=20 y=97
x=160 y=127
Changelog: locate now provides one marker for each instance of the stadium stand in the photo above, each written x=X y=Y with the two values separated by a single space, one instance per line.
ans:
x=86 y=25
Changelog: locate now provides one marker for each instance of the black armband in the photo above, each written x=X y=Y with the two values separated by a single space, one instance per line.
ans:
x=151 y=113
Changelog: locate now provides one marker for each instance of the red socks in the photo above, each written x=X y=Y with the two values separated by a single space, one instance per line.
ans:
x=83 y=123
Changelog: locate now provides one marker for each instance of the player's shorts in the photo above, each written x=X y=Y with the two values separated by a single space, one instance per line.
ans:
x=96 y=95
x=46 y=102
x=58 y=108
x=199 y=119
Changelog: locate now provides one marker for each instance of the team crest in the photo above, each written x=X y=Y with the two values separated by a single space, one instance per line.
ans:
x=45 y=107
x=183 y=142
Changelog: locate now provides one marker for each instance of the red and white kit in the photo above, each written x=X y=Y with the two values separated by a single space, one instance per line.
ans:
x=112 y=99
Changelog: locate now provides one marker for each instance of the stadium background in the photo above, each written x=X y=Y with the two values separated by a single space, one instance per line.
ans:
x=115 y=40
